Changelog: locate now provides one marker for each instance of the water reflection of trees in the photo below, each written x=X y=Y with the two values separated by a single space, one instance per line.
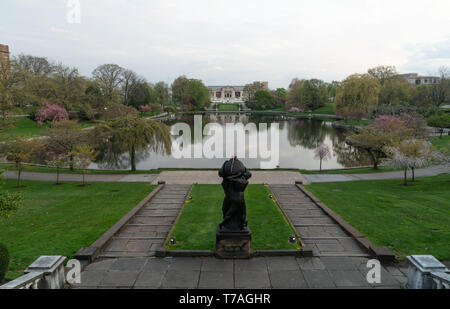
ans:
x=109 y=158
x=307 y=133
x=347 y=155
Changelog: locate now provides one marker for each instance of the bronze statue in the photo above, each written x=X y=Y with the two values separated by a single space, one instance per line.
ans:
x=233 y=236
x=235 y=180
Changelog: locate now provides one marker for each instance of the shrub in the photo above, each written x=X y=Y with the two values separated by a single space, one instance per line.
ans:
x=51 y=113
x=4 y=261
x=119 y=111
x=86 y=113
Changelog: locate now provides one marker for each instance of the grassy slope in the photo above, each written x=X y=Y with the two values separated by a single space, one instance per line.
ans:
x=409 y=220
x=196 y=229
x=59 y=220
x=442 y=143
x=23 y=127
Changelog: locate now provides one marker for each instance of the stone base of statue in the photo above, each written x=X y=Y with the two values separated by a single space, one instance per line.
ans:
x=233 y=245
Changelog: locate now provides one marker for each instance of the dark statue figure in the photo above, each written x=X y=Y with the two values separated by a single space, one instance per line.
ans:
x=235 y=181
x=233 y=237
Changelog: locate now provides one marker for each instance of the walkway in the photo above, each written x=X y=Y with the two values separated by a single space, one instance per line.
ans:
x=212 y=177
x=424 y=172
x=78 y=177
x=316 y=229
x=149 y=228
x=210 y=273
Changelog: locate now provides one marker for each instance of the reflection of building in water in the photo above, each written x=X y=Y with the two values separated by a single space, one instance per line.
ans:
x=229 y=118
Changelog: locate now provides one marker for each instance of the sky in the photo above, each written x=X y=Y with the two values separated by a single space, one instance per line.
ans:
x=229 y=42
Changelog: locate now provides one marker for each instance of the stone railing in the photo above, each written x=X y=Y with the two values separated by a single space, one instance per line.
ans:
x=47 y=272
x=426 y=272
x=441 y=280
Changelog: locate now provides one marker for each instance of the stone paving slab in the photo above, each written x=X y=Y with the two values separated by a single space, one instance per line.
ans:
x=269 y=272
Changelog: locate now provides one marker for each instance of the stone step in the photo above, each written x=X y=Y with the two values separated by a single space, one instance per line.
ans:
x=342 y=254
x=325 y=238
x=140 y=237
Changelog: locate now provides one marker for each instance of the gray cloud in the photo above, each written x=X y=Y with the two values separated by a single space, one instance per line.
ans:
x=231 y=41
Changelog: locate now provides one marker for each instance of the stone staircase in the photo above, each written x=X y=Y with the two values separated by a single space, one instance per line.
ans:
x=316 y=229
x=148 y=229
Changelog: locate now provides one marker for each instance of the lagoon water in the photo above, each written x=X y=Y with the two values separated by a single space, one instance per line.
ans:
x=297 y=140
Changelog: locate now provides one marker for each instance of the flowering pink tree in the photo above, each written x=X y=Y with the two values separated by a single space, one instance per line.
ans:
x=51 y=113
x=145 y=109
x=323 y=153
x=388 y=123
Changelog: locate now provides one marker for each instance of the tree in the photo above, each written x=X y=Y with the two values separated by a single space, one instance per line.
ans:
x=58 y=161
x=250 y=90
x=19 y=151
x=141 y=95
x=119 y=110
x=52 y=113
x=130 y=81
x=68 y=85
x=179 y=90
x=412 y=153
x=395 y=91
x=197 y=94
x=441 y=90
x=440 y=122
x=134 y=134
x=372 y=141
x=308 y=94
x=383 y=73
x=63 y=138
x=109 y=78
x=262 y=99
x=83 y=156
x=358 y=92
x=161 y=91
x=323 y=153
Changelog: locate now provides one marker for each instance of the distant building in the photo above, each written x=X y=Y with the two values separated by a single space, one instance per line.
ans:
x=4 y=53
x=230 y=94
x=416 y=79
x=226 y=94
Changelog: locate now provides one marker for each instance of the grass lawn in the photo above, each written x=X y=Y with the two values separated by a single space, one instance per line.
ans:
x=228 y=107
x=409 y=220
x=23 y=127
x=363 y=170
x=43 y=169
x=196 y=228
x=441 y=143
x=59 y=220
x=326 y=110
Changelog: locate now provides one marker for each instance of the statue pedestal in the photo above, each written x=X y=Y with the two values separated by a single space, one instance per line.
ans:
x=233 y=245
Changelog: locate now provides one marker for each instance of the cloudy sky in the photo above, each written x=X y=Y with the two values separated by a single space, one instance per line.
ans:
x=234 y=42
